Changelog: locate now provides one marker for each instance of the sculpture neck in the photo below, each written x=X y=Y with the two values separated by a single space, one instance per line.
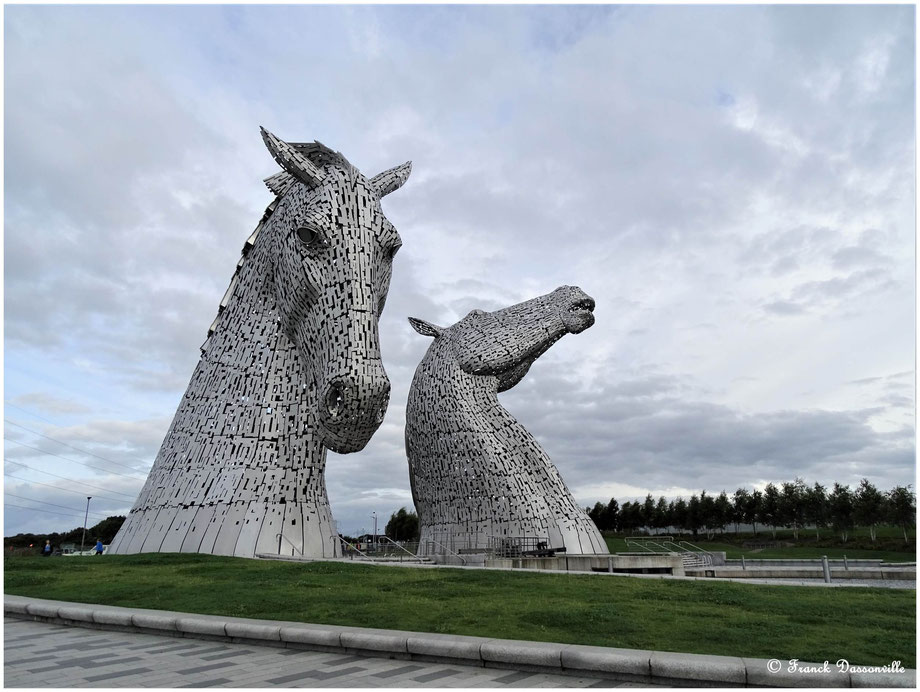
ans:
x=249 y=363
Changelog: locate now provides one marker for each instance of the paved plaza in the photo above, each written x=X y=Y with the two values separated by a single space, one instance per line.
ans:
x=40 y=654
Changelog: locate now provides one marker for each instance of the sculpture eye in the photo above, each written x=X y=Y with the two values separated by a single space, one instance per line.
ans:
x=309 y=236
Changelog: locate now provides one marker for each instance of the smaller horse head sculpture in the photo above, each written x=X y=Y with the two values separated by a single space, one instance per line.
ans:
x=505 y=343
x=331 y=251
x=477 y=475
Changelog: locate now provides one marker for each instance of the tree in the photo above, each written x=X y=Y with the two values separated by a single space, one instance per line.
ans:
x=612 y=515
x=868 y=507
x=680 y=515
x=662 y=517
x=902 y=508
x=693 y=514
x=753 y=509
x=792 y=506
x=631 y=516
x=740 y=500
x=707 y=513
x=816 y=508
x=840 y=504
x=402 y=526
x=648 y=512
x=769 y=507
x=106 y=529
x=626 y=517
x=723 y=511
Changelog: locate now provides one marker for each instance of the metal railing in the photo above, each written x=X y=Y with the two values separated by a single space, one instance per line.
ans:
x=691 y=555
x=346 y=545
x=279 y=536
x=705 y=556
x=402 y=548
x=432 y=542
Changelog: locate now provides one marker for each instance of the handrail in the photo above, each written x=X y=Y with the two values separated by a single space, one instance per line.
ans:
x=390 y=540
x=695 y=548
x=638 y=544
x=457 y=555
x=353 y=547
x=281 y=535
x=705 y=554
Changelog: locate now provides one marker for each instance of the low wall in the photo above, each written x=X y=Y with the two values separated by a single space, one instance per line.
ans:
x=617 y=564
x=780 y=572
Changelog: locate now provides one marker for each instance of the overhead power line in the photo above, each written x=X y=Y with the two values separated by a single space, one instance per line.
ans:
x=66 y=490
x=30 y=499
x=65 y=478
x=27 y=412
x=46 y=511
x=67 y=444
x=83 y=463
x=69 y=480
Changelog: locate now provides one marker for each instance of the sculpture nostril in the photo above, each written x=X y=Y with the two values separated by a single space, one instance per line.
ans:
x=583 y=305
x=335 y=400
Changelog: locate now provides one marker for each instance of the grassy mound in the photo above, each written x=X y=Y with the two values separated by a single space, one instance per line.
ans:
x=865 y=626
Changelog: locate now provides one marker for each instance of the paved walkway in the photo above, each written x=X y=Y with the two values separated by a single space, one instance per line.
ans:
x=40 y=654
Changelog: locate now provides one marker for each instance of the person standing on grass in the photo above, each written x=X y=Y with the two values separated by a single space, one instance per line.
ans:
x=46 y=551
x=99 y=547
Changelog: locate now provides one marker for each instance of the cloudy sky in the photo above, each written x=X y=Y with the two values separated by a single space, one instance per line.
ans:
x=733 y=185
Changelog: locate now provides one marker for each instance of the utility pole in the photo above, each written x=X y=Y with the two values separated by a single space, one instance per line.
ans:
x=374 y=513
x=83 y=539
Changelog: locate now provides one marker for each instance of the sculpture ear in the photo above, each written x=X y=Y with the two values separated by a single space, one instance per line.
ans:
x=391 y=180
x=292 y=160
x=425 y=328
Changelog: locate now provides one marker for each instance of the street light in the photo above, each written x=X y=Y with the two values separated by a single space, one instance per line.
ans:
x=375 y=530
x=83 y=539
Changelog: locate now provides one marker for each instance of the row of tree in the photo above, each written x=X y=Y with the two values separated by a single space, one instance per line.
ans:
x=790 y=505
x=105 y=531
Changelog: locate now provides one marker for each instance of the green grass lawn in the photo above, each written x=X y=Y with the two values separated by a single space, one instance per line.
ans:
x=803 y=549
x=865 y=626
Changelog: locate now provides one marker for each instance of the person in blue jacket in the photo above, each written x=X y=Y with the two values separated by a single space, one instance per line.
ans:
x=46 y=550
x=99 y=547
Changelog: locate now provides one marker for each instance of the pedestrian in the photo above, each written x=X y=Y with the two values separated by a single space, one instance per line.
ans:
x=46 y=551
x=99 y=546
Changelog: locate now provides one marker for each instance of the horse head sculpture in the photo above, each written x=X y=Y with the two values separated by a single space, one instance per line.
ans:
x=332 y=252
x=291 y=367
x=477 y=475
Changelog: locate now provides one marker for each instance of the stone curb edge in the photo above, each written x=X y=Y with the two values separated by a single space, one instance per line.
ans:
x=659 y=667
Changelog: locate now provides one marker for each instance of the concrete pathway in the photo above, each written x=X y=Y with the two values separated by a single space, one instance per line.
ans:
x=43 y=654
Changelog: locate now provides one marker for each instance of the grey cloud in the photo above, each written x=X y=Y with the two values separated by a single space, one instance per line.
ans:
x=784 y=307
x=752 y=167
x=593 y=437
x=48 y=403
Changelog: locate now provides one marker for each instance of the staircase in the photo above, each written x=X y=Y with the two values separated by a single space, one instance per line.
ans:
x=691 y=555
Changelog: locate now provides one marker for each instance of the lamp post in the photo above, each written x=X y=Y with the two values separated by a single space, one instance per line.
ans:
x=83 y=538
x=375 y=530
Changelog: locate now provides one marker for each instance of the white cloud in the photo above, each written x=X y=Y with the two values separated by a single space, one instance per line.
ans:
x=733 y=185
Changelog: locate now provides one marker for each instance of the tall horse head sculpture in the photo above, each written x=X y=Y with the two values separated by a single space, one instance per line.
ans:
x=478 y=477
x=291 y=367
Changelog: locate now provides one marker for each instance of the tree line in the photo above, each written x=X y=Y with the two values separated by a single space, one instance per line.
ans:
x=105 y=530
x=792 y=505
